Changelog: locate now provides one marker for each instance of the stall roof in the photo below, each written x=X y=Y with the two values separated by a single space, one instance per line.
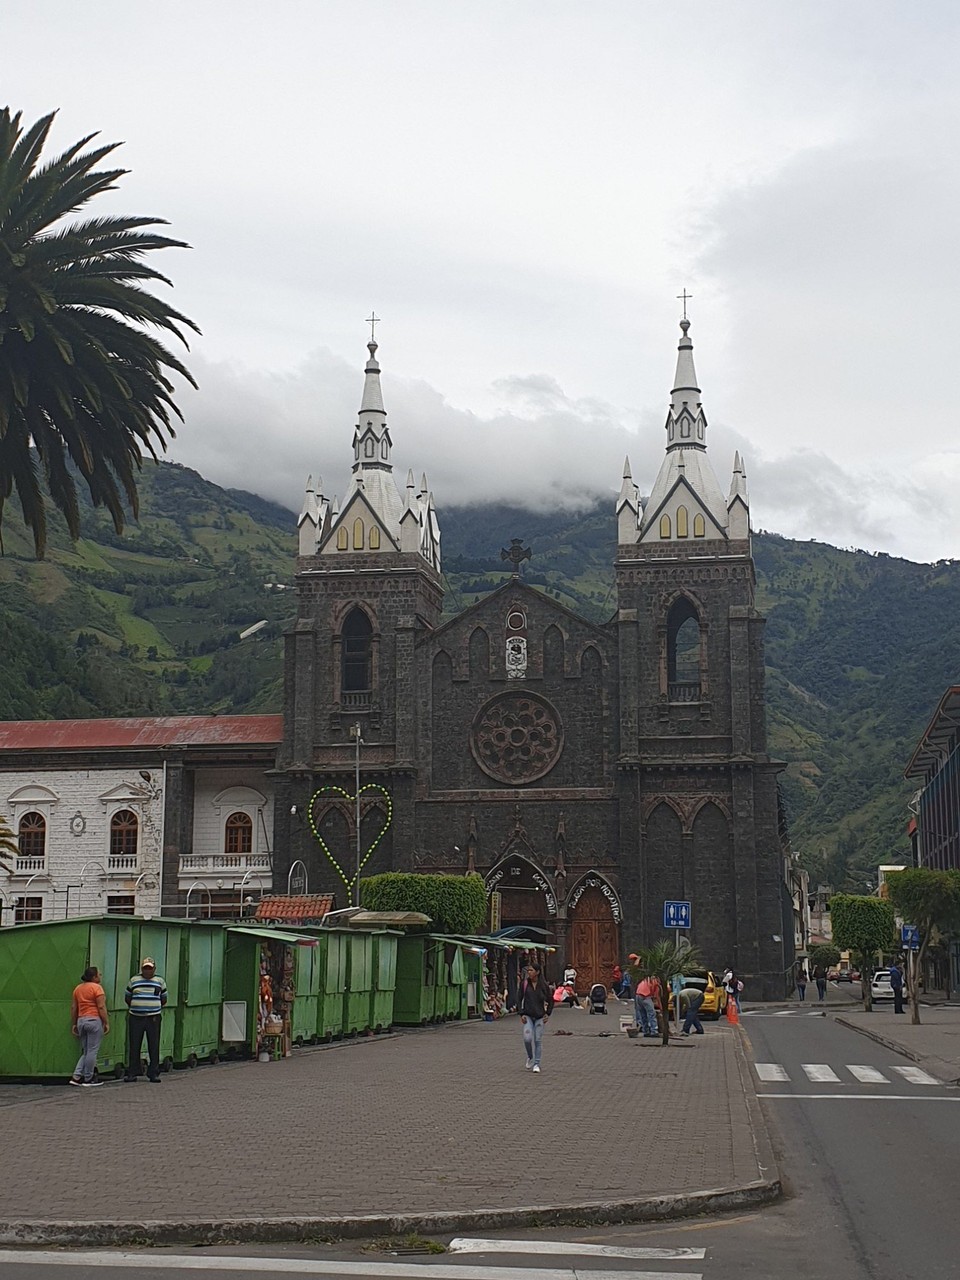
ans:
x=286 y=909
x=512 y=944
x=384 y=920
x=275 y=935
x=933 y=747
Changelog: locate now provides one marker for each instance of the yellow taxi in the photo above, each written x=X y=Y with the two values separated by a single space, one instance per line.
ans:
x=714 y=996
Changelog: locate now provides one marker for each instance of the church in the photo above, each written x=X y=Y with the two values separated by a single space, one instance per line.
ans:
x=589 y=773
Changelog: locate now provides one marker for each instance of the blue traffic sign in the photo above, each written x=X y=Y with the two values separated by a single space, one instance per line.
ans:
x=910 y=937
x=676 y=915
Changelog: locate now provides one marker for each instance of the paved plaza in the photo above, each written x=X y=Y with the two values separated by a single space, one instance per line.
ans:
x=440 y=1120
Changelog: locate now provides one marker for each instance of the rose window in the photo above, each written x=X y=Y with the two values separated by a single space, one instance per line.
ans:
x=517 y=737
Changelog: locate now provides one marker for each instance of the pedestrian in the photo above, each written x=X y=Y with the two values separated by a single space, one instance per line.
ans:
x=896 y=983
x=820 y=978
x=534 y=1003
x=146 y=995
x=801 y=982
x=645 y=1008
x=616 y=982
x=733 y=987
x=693 y=997
x=89 y=1023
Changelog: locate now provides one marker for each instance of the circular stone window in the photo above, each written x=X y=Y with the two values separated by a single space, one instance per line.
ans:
x=517 y=737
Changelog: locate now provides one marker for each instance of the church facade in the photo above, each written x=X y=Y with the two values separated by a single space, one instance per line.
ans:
x=590 y=773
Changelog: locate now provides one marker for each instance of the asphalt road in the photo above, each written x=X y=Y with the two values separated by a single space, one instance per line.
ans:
x=870 y=1158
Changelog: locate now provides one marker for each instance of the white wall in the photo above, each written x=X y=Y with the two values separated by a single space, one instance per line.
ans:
x=78 y=805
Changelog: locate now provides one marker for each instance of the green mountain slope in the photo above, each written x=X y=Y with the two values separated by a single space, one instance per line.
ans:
x=859 y=647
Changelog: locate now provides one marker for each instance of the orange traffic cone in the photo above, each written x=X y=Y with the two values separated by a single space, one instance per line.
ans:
x=733 y=1014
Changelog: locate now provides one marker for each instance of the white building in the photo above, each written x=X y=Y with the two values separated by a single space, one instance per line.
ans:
x=136 y=815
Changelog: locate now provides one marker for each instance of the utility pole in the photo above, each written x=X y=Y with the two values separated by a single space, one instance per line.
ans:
x=358 y=740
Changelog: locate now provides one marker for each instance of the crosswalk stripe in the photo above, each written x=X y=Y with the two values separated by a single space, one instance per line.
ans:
x=820 y=1073
x=770 y=1071
x=132 y=1260
x=467 y=1244
x=915 y=1075
x=867 y=1075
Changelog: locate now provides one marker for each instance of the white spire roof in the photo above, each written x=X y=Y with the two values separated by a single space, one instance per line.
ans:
x=373 y=516
x=686 y=462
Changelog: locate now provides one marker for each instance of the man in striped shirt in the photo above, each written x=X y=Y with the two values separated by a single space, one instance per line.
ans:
x=146 y=994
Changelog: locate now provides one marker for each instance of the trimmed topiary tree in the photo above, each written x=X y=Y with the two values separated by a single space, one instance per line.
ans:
x=863 y=926
x=455 y=904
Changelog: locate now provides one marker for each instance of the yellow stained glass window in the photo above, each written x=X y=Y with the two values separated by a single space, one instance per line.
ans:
x=358 y=534
x=683 y=530
x=664 y=526
x=699 y=528
x=341 y=539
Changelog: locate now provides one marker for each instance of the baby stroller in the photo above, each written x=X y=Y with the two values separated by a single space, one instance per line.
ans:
x=598 y=998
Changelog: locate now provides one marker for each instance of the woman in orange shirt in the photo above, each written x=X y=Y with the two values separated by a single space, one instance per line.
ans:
x=89 y=1022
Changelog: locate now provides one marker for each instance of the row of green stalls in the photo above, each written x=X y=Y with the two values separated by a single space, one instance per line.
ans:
x=438 y=979
x=227 y=986
x=40 y=964
x=319 y=983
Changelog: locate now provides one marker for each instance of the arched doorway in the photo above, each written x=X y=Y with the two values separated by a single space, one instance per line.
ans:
x=593 y=932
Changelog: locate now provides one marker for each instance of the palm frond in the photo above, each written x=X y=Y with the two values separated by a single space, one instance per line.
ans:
x=85 y=382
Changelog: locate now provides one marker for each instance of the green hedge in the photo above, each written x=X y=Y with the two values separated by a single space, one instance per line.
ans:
x=455 y=904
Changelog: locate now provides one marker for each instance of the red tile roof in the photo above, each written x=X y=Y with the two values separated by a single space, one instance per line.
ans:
x=143 y=731
x=290 y=910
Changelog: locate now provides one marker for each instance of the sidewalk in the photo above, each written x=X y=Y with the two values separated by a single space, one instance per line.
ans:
x=428 y=1130
x=935 y=1044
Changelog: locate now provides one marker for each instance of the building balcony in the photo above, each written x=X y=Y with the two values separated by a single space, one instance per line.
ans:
x=356 y=700
x=30 y=866
x=682 y=692
x=123 y=864
x=216 y=864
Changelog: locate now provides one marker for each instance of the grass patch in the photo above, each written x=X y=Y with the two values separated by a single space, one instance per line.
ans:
x=411 y=1243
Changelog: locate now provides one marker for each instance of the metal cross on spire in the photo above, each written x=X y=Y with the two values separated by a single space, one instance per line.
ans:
x=373 y=320
x=517 y=553
x=684 y=298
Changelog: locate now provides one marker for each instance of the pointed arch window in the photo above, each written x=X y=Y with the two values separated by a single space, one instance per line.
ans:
x=124 y=834
x=683 y=530
x=32 y=836
x=369 y=447
x=238 y=834
x=664 y=526
x=683 y=652
x=357 y=653
x=358 y=534
x=342 y=538
x=685 y=428
x=374 y=539
x=699 y=527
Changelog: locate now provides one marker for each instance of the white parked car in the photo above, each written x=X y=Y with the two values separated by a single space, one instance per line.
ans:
x=880 y=988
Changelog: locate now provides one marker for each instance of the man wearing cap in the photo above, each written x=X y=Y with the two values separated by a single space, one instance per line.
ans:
x=146 y=994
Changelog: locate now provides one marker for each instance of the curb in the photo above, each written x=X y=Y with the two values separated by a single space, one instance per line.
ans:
x=309 y=1229
x=762 y=1145
x=894 y=1045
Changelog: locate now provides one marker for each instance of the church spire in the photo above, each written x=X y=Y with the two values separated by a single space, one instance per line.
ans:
x=686 y=501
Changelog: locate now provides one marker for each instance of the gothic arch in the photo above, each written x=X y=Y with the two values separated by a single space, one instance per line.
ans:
x=554 y=651
x=343 y=609
x=588 y=653
x=683 y=649
x=590 y=880
x=650 y=807
x=496 y=877
x=700 y=805
x=478 y=648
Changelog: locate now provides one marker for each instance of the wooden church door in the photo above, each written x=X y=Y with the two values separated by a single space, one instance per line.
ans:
x=594 y=940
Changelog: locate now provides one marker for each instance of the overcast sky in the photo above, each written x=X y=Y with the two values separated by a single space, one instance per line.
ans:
x=521 y=190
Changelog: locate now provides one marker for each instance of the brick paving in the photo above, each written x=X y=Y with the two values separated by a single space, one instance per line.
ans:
x=426 y=1121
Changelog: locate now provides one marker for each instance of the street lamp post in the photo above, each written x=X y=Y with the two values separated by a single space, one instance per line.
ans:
x=355 y=734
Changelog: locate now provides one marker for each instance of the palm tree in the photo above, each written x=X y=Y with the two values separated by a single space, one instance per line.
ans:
x=84 y=385
x=9 y=845
x=662 y=961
